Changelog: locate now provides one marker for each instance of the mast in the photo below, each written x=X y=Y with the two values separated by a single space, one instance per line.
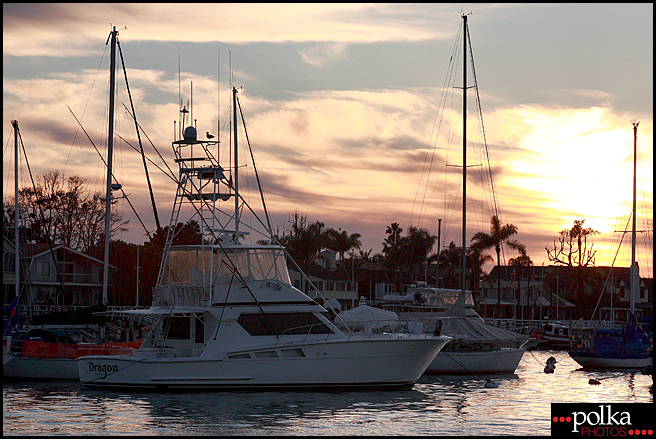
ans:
x=634 y=273
x=14 y=123
x=110 y=145
x=437 y=269
x=236 y=180
x=463 y=275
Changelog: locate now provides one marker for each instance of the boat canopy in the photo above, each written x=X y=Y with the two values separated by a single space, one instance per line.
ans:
x=205 y=265
x=476 y=330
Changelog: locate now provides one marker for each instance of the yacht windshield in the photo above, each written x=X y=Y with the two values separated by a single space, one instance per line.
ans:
x=204 y=266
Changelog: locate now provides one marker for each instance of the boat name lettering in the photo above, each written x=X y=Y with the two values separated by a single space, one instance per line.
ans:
x=104 y=368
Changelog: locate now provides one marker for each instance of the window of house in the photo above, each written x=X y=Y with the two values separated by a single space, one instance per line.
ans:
x=10 y=262
x=44 y=269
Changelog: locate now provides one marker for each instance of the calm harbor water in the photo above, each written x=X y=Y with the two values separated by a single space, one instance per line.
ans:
x=436 y=405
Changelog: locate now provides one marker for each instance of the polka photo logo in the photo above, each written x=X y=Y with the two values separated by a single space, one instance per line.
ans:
x=601 y=420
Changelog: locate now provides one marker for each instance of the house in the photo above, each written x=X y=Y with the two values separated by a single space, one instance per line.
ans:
x=559 y=286
x=330 y=283
x=60 y=276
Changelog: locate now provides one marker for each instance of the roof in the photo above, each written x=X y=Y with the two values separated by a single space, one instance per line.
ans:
x=34 y=251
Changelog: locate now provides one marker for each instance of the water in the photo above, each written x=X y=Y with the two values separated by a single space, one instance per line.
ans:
x=436 y=405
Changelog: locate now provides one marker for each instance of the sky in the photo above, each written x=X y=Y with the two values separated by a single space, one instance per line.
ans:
x=347 y=110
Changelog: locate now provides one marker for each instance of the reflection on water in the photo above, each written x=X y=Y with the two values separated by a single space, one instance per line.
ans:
x=437 y=405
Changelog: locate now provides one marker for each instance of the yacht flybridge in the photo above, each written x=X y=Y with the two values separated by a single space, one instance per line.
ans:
x=226 y=314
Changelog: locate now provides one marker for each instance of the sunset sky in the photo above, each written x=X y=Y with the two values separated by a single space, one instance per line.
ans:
x=341 y=102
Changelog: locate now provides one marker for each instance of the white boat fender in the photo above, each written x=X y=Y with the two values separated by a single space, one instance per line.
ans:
x=491 y=384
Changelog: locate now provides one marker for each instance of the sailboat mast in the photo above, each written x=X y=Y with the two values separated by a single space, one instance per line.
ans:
x=14 y=123
x=110 y=146
x=236 y=180
x=634 y=273
x=463 y=276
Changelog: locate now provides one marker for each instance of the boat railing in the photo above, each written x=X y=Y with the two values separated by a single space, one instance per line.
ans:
x=371 y=328
x=517 y=324
x=180 y=295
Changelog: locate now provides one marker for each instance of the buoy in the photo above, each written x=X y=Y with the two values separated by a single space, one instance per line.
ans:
x=491 y=384
x=594 y=382
x=551 y=365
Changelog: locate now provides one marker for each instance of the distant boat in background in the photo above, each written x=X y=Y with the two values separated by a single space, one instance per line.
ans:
x=632 y=346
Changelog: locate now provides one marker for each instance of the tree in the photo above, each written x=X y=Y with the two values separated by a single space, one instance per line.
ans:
x=406 y=253
x=499 y=236
x=475 y=261
x=61 y=210
x=393 y=233
x=188 y=233
x=304 y=241
x=341 y=242
x=572 y=249
x=450 y=266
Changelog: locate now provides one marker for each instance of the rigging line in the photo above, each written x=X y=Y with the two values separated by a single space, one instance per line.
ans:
x=257 y=175
x=609 y=271
x=127 y=86
x=58 y=275
x=153 y=145
x=86 y=104
x=7 y=179
x=478 y=99
x=151 y=162
x=441 y=105
x=105 y=163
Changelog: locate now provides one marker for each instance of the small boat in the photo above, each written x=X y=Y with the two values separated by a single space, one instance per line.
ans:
x=227 y=315
x=555 y=335
x=630 y=347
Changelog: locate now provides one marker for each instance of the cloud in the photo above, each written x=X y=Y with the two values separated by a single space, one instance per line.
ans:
x=53 y=29
x=323 y=55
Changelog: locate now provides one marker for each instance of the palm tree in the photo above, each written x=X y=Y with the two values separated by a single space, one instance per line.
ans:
x=498 y=236
x=475 y=261
x=394 y=232
x=341 y=242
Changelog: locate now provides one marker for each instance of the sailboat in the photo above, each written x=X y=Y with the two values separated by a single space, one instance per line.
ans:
x=630 y=347
x=477 y=347
x=47 y=355
x=226 y=313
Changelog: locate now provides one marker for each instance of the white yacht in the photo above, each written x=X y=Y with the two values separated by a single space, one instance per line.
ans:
x=477 y=347
x=227 y=315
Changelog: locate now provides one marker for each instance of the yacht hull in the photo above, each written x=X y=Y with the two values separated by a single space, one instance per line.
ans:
x=592 y=361
x=24 y=368
x=328 y=364
x=497 y=361
x=56 y=361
